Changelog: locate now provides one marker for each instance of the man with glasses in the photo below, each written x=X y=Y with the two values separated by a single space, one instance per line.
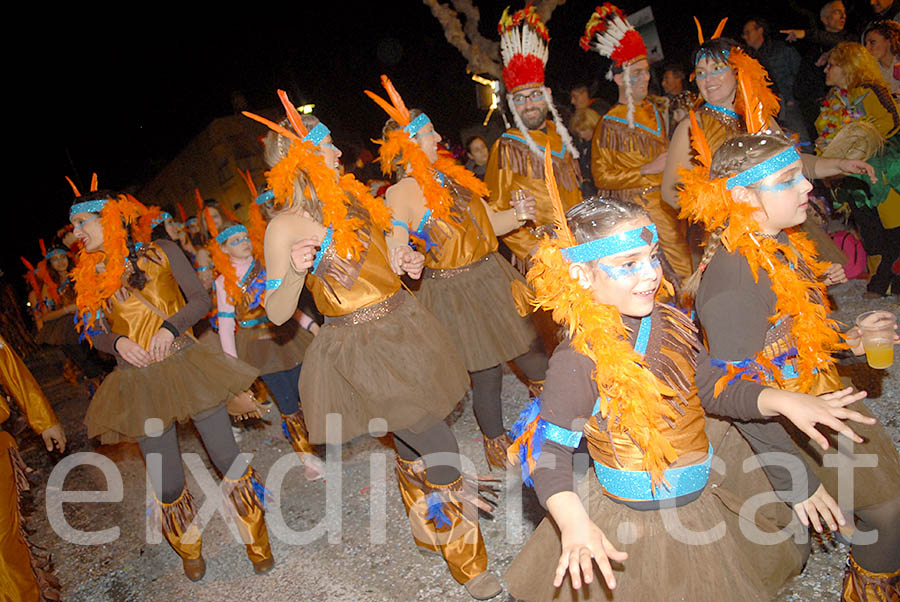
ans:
x=516 y=162
x=628 y=155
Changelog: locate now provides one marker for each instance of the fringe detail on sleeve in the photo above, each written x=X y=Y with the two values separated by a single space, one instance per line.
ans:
x=519 y=159
x=619 y=137
x=39 y=558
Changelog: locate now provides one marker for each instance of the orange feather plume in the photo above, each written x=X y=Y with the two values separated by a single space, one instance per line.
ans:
x=719 y=28
x=94 y=183
x=257 y=228
x=74 y=187
x=292 y=114
x=396 y=108
x=699 y=143
x=756 y=101
x=563 y=234
x=272 y=126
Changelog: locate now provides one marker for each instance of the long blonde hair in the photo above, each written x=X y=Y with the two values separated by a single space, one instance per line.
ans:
x=276 y=149
x=858 y=65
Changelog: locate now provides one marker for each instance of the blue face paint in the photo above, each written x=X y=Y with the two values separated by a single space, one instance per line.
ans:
x=797 y=180
x=714 y=73
x=88 y=220
x=238 y=241
x=631 y=268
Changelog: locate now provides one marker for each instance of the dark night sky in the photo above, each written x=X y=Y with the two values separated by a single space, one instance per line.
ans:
x=121 y=96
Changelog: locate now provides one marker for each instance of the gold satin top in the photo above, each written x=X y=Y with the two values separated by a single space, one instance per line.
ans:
x=618 y=151
x=717 y=126
x=132 y=317
x=667 y=347
x=375 y=283
x=512 y=166
x=459 y=244
x=20 y=383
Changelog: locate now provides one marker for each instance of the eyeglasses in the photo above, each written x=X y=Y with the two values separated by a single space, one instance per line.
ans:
x=536 y=96
x=639 y=75
x=714 y=73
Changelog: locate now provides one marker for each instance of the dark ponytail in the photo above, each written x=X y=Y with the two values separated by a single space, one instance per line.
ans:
x=137 y=279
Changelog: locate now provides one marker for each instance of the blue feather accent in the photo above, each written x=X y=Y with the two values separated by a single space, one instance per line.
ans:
x=82 y=323
x=531 y=413
x=424 y=237
x=752 y=368
x=284 y=429
x=261 y=492
x=436 y=511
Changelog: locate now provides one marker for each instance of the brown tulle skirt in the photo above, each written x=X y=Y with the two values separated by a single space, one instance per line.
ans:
x=477 y=309
x=60 y=331
x=669 y=557
x=402 y=367
x=273 y=348
x=184 y=384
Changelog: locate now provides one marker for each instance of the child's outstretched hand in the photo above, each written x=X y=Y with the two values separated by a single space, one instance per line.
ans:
x=806 y=411
x=583 y=543
x=820 y=504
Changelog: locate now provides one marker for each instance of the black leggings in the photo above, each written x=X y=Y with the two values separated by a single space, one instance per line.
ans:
x=214 y=427
x=486 y=386
x=433 y=440
x=285 y=389
x=883 y=556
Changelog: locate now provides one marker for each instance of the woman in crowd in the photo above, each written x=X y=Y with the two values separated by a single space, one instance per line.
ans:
x=467 y=285
x=859 y=107
x=882 y=40
x=139 y=305
x=380 y=356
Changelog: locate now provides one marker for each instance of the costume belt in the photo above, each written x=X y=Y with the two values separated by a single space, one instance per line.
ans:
x=453 y=272
x=636 y=485
x=260 y=321
x=369 y=313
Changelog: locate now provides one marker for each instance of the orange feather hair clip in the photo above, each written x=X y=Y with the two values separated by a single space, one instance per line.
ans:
x=257 y=229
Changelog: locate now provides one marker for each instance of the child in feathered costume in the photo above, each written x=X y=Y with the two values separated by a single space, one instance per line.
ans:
x=439 y=205
x=750 y=196
x=245 y=332
x=624 y=379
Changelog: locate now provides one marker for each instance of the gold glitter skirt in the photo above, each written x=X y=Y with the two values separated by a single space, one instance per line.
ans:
x=475 y=305
x=184 y=384
x=392 y=360
x=668 y=557
x=273 y=348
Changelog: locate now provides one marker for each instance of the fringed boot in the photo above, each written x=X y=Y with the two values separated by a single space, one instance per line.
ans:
x=247 y=497
x=495 y=452
x=175 y=521
x=861 y=585
x=444 y=519
x=294 y=428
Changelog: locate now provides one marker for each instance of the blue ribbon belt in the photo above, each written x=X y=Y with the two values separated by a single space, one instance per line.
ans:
x=636 y=485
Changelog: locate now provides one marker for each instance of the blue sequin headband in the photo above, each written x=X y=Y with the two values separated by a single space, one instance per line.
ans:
x=264 y=197
x=709 y=54
x=413 y=127
x=162 y=217
x=317 y=134
x=54 y=252
x=88 y=207
x=764 y=169
x=228 y=232
x=610 y=245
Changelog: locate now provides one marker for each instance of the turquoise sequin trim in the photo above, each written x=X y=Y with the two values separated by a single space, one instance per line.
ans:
x=637 y=485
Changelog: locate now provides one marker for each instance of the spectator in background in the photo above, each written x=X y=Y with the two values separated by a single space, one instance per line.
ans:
x=681 y=97
x=809 y=86
x=782 y=62
x=885 y=10
x=477 y=153
x=580 y=97
x=582 y=125
x=882 y=39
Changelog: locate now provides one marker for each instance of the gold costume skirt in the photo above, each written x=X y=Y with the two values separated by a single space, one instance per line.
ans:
x=184 y=384
x=671 y=562
x=273 y=348
x=392 y=360
x=475 y=305
x=60 y=331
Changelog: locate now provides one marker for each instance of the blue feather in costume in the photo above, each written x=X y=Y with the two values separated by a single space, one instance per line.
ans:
x=436 y=511
x=419 y=238
x=753 y=369
x=261 y=492
x=86 y=331
x=526 y=436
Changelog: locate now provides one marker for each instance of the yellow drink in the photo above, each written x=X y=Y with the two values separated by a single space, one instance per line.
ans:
x=879 y=353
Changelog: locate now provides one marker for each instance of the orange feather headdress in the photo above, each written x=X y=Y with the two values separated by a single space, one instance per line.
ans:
x=222 y=262
x=93 y=288
x=257 y=229
x=631 y=396
x=336 y=194
x=75 y=188
x=399 y=146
